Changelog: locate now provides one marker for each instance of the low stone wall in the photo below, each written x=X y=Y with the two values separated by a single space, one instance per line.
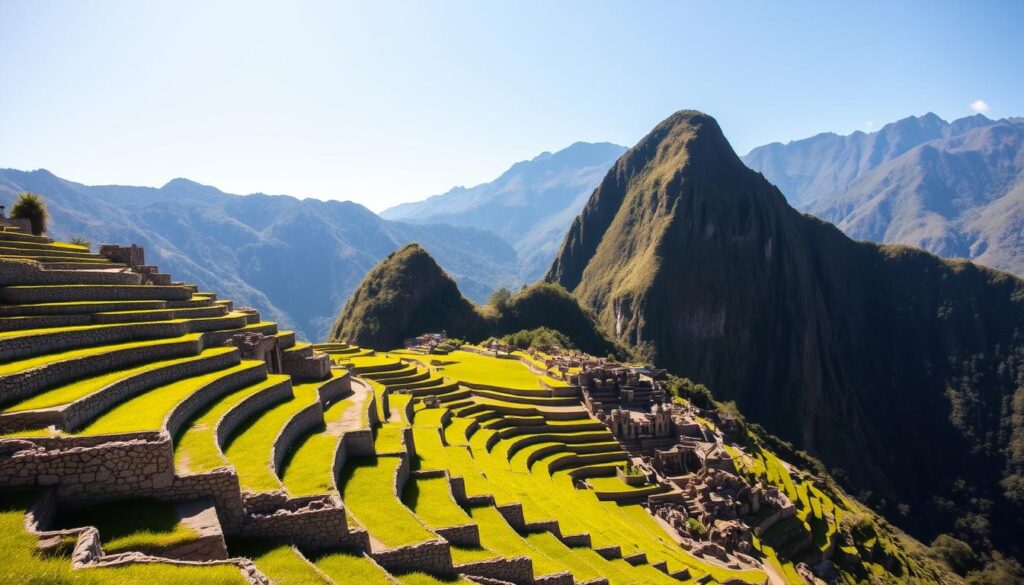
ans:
x=81 y=411
x=316 y=526
x=42 y=321
x=335 y=389
x=564 y=578
x=112 y=465
x=513 y=514
x=636 y=559
x=214 y=390
x=571 y=540
x=464 y=535
x=31 y=273
x=610 y=552
x=595 y=458
x=433 y=556
x=221 y=485
x=517 y=570
x=401 y=476
x=95 y=293
x=249 y=407
x=28 y=382
x=52 y=342
x=302 y=422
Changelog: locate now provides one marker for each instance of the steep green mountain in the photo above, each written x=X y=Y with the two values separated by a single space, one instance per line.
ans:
x=901 y=371
x=408 y=294
x=294 y=260
x=954 y=189
x=530 y=205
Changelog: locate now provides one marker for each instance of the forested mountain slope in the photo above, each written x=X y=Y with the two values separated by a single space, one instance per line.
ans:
x=899 y=369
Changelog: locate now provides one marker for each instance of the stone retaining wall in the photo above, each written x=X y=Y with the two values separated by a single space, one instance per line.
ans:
x=212 y=391
x=335 y=389
x=81 y=411
x=517 y=570
x=86 y=308
x=433 y=556
x=31 y=273
x=316 y=526
x=513 y=514
x=302 y=422
x=62 y=294
x=43 y=321
x=57 y=341
x=610 y=552
x=28 y=382
x=252 y=405
x=564 y=578
x=117 y=464
x=463 y=535
x=574 y=460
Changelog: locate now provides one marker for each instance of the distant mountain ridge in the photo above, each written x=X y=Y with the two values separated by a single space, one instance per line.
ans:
x=955 y=189
x=530 y=205
x=294 y=260
x=895 y=366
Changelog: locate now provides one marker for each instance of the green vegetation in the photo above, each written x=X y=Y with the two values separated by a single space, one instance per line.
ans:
x=196 y=450
x=148 y=411
x=309 y=469
x=367 y=487
x=22 y=564
x=32 y=207
x=282 y=563
x=250 y=450
x=344 y=567
x=68 y=393
x=131 y=525
x=431 y=500
x=408 y=294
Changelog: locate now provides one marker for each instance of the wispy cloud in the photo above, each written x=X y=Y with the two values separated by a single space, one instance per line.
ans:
x=980 y=106
x=869 y=125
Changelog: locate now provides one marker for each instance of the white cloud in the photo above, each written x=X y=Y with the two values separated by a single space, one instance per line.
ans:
x=869 y=124
x=979 y=106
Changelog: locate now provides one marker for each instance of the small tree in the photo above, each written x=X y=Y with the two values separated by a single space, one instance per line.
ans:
x=499 y=298
x=32 y=207
x=80 y=241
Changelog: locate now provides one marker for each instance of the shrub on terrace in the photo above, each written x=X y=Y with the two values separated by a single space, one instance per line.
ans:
x=80 y=241
x=32 y=207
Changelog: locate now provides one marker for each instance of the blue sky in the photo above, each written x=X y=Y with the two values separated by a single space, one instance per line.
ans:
x=388 y=102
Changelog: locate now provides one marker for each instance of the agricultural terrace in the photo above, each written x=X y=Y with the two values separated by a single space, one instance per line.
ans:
x=140 y=415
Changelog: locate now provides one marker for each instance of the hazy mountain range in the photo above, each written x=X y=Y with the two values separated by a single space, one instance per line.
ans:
x=529 y=206
x=294 y=260
x=955 y=189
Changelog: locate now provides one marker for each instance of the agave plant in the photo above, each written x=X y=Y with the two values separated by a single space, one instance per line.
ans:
x=32 y=207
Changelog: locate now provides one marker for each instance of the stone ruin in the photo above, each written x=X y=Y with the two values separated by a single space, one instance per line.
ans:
x=256 y=346
x=426 y=342
x=301 y=364
x=134 y=258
